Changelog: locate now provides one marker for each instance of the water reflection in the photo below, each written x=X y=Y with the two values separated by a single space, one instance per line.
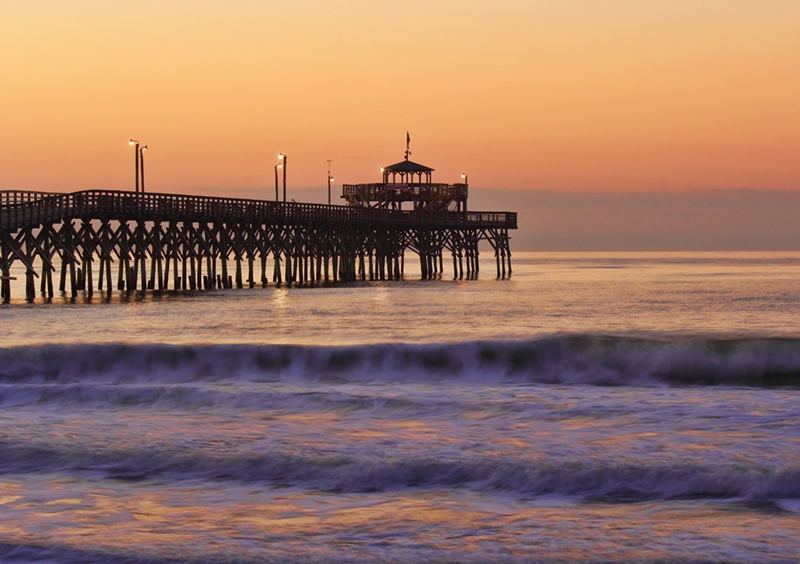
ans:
x=251 y=523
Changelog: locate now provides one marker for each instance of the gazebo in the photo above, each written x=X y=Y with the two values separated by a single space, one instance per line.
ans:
x=408 y=181
x=407 y=170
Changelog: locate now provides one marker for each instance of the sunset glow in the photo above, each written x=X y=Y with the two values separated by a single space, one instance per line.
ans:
x=563 y=95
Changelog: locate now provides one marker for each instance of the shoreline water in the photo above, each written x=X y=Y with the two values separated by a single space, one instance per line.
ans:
x=629 y=294
x=592 y=408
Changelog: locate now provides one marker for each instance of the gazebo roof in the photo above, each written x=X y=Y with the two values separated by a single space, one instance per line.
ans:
x=407 y=166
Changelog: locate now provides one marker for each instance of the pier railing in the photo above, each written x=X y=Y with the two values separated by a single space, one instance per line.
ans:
x=19 y=210
x=377 y=191
x=14 y=197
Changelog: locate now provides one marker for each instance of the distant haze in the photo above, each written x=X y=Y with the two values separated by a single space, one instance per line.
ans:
x=709 y=220
x=706 y=220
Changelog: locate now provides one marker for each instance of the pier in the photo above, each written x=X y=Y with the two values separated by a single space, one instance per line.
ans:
x=98 y=239
x=101 y=240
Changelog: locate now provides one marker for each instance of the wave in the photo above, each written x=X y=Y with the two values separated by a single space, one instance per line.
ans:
x=350 y=473
x=50 y=551
x=563 y=360
x=193 y=397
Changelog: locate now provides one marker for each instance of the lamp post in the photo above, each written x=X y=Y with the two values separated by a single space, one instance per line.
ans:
x=141 y=163
x=135 y=143
x=466 y=185
x=330 y=178
x=283 y=158
x=277 y=198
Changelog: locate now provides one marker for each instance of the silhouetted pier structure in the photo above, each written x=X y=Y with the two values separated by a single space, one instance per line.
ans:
x=411 y=182
x=98 y=239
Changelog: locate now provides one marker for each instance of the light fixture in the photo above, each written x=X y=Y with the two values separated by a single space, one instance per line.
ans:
x=135 y=144
x=285 y=162
x=141 y=163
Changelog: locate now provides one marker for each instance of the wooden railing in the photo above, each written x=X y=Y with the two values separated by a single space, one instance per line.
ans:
x=20 y=210
x=14 y=197
x=377 y=192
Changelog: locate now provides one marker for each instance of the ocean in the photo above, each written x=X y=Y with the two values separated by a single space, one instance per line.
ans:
x=614 y=407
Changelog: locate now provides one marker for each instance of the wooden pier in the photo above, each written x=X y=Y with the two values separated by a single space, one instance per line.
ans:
x=98 y=240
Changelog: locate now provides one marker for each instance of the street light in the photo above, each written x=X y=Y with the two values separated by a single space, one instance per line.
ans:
x=285 y=160
x=141 y=162
x=466 y=184
x=330 y=178
x=277 y=198
x=136 y=168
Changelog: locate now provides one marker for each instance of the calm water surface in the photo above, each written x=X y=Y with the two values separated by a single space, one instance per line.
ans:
x=549 y=293
x=601 y=407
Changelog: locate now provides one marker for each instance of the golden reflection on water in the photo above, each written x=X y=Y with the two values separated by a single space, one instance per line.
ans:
x=245 y=521
x=280 y=298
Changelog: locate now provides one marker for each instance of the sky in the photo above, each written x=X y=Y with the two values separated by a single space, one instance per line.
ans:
x=559 y=95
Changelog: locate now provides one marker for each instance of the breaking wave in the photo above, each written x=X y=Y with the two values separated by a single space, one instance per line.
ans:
x=563 y=360
x=351 y=473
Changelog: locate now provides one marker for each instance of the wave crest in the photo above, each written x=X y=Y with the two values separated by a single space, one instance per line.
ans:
x=565 y=360
x=610 y=482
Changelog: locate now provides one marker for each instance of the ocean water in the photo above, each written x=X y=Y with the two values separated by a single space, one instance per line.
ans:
x=594 y=407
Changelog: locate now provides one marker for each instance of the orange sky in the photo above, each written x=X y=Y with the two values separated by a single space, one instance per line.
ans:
x=601 y=95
